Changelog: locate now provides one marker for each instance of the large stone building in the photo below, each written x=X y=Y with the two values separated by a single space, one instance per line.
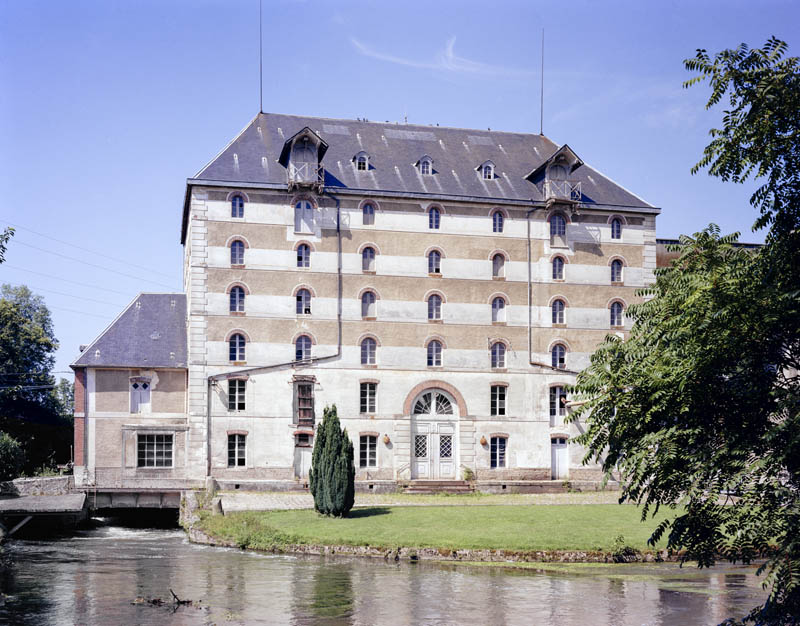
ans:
x=440 y=286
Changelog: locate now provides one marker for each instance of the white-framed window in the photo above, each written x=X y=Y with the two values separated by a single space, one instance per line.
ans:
x=558 y=268
x=558 y=356
x=558 y=308
x=499 y=309
x=498 y=452
x=616 y=271
x=369 y=348
x=236 y=450
x=616 y=311
x=154 y=450
x=303 y=217
x=434 y=307
x=237 y=206
x=302 y=348
x=558 y=405
x=498 y=353
x=368 y=259
x=237 y=300
x=558 y=230
x=237 y=252
x=368 y=393
x=616 y=228
x=434 y=262
x=368 y=304
x=368 y=451
x=434 y=216
x=362 y=162
x=303 y=255
x=487 y=171
x=303 y=302
x=140 y=395
x=368 y=214
x=237 y=390
x=497 y=222
x=425 y=166
x=435 y=353
x=236 y=346
x=497 y=400
x=498 y=266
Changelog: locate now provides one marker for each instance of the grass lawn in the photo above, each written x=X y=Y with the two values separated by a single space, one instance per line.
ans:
x=518 y=528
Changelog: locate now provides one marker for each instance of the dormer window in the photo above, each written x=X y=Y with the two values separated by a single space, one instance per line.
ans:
x=425 y=166
x=302 y=157
x=486 y=170
x=362 y=162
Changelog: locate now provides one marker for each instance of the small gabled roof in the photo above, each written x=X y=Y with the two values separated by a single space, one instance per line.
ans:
x=322 y=146
x=478 y=168
x=150 y=332
x=563 y=153
x=424 y=157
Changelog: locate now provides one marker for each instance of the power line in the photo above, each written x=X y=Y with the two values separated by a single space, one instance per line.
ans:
x=100 y=267
x=69 y=295
x=66 y=243
x=61 y=308
x=66 y=280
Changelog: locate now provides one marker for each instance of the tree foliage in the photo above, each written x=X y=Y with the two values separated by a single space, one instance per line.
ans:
x=332 y=475
x=699 y=407
x=11 y=457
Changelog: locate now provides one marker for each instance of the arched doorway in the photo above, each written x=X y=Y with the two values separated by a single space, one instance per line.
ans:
x=434 y=435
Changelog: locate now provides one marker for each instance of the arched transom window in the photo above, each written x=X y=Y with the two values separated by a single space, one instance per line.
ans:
x=433 y=402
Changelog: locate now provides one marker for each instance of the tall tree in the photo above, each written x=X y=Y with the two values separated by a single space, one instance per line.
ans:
x=699 y=408
x=332 y=475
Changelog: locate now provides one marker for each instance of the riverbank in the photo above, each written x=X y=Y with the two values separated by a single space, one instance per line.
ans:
x=509 y=533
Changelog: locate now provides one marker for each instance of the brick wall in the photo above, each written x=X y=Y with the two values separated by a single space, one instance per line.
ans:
x=80 y=415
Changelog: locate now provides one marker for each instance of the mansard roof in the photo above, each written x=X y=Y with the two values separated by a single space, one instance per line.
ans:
x=149 y=333
x=252 y=160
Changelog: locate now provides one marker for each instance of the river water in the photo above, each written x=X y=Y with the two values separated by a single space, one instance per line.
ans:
x=95 y=577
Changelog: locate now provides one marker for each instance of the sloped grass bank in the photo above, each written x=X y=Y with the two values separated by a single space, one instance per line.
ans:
x=513 y=532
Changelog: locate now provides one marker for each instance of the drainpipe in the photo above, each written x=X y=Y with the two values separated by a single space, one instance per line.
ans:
x=211 y=381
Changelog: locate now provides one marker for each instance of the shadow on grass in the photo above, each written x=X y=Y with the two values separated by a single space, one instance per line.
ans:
x=369 y=511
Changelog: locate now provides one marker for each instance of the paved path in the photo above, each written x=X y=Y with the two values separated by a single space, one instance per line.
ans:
x=269 y=501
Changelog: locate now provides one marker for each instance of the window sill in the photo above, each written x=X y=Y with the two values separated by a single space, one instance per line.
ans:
x=434 y=367
x=434 y=274
x=153 y=467
x=369 y=366
x=501 y=370
x=559 y=326
x=498 y=415
x=303 y=268
x=237 y=266
x=368 y=271
x=558 y=280
x=369 y=318
x=303 y=315
x=617 y=283
x=498 y=277
x=237 y=313
x=303 y=232
x=435 y=321
x=237 y=363
x=499 y=323
x=617 y=328
x=238 y=468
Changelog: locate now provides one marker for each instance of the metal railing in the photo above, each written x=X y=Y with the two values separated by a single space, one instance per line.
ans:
x=562 y=190
x=300 y=174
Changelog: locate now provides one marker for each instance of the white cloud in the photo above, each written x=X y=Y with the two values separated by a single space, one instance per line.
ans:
x=446 y=60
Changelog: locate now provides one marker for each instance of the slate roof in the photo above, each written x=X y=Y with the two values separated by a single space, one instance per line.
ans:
x=393 y=150
x=150 y=332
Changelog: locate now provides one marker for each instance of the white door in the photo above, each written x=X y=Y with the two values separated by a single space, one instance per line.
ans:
x=421 y=463
x=559 y=455
x=445 y=466
x=434 y=452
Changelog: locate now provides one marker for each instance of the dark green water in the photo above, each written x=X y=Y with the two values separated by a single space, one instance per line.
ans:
x=94 y=576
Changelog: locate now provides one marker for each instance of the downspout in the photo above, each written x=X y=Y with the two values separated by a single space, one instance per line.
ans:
x=265 y=368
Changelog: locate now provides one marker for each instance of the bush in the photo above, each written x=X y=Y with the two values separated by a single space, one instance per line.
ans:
x=11 y=457
x=332 y=475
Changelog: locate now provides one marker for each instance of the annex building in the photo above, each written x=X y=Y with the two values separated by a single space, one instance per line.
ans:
x=440 y=286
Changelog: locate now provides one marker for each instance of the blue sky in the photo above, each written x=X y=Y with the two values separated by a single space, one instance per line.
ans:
x=107 y=107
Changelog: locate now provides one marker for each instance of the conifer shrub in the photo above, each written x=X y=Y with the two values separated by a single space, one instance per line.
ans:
x=11 y=457
x=333 y=473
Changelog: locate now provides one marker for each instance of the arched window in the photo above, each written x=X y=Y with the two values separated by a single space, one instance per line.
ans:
x=498 y=266
x=616 y=314
x=616 y=271
x=303 y=217
x=362 y=164
x=368 y=348
x=435 y=353
x=433 y=218
x=616 y=228
x=237 y=206
x=237 y=252
x=302 y=348
x=368 y=214
x=303 y=255
x=497 y=222
x=558 y=268
x=368 y=304
x=558 y=311
x=368 y=260
x=303 y=299
x=498 y=309
x=559 y=356
x=488 y=172
x=237 y=300
x=434 y=262
x=435 y=307
x=425 y=167
x=498 y=355
x=236 y=347
x=558 y=225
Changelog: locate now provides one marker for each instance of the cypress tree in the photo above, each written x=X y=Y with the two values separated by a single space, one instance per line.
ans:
x=332 y=474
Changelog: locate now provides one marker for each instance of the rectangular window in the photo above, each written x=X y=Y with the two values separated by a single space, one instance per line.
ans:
x=304 y=401
x=498 y=452
x=558 y=405
x=236 y=393
x=154 y=451
x=368 y=393
x=236 y=449
x=368 y=451
x=498 y=400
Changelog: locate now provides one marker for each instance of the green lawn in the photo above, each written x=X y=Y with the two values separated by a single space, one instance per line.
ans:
x=518 y=528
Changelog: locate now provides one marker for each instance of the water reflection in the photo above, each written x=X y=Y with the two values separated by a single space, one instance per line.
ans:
x=95 y=576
